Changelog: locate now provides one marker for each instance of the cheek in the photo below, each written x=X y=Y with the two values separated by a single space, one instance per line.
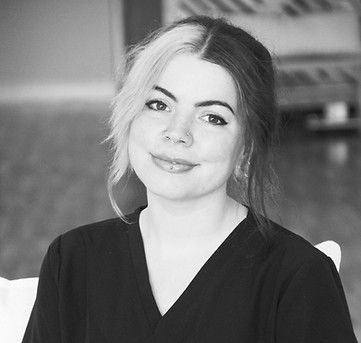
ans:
x=221 y=151
x=140 y=134
x=137 y=141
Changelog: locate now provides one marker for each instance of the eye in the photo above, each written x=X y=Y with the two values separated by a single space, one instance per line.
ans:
x=215 y=120
x=157 y=105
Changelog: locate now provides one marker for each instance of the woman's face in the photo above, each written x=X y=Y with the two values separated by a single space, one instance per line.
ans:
x=189 y=115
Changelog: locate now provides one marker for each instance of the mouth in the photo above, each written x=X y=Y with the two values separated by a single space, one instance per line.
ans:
x=172 y=165
x=174 y=161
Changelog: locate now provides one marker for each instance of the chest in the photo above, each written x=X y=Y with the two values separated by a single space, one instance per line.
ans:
x=171 y=277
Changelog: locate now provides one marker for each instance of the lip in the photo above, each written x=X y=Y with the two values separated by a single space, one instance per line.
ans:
x=174 y=160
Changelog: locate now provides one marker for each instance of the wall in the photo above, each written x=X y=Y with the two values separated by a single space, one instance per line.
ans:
x=316 y=33
x=141 y=17
x=312 y=33
x=55 y=49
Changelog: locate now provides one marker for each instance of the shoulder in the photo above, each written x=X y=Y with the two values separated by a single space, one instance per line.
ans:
x=287 y=242
x=70 y=253
x=280 y=244
x=99 y=236
x=95 y=232
x=292 y=254
x=311 y=304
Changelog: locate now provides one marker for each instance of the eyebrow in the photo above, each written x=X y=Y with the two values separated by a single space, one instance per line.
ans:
x=198 y=104
x=167 y=93
x=214 y=102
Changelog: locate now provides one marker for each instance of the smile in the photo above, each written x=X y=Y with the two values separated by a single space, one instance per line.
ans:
x=172 y=166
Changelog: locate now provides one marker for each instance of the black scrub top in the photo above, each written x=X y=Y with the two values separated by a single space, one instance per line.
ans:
x=94 y=287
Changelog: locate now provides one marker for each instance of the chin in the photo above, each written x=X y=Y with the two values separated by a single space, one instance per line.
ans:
x=170 y=189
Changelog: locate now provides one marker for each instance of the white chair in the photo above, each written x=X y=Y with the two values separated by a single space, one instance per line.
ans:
x=16 y=301
x=332 y=250
x=17 y=298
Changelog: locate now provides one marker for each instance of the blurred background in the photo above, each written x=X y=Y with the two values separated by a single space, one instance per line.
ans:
x=58 y=63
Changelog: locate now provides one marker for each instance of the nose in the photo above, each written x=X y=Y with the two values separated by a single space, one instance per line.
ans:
x=178 y=133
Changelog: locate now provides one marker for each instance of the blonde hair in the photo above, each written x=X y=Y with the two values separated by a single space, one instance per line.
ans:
x=144 y=63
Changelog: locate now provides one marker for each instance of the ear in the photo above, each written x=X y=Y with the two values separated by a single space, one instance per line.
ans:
x=240 y=167
x=243 y=162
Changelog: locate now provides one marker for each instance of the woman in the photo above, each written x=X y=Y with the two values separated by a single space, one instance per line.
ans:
x=195 y=116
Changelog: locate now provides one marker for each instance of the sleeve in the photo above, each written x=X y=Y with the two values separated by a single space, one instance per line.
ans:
x=43 y=325
x=313 y=307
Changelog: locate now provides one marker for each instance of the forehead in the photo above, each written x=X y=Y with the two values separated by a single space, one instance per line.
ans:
x=189 y=76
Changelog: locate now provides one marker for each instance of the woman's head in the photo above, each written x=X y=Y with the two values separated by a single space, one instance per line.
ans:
x=246 y=61
x=184 y=143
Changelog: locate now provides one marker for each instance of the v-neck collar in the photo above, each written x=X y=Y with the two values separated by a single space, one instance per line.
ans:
x=195 y=288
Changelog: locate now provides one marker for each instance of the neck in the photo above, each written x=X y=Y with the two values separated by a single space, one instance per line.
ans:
x=172 y=225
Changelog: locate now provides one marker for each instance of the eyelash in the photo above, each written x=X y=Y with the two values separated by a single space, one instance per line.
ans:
x=159 y=102
x=223 y=122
